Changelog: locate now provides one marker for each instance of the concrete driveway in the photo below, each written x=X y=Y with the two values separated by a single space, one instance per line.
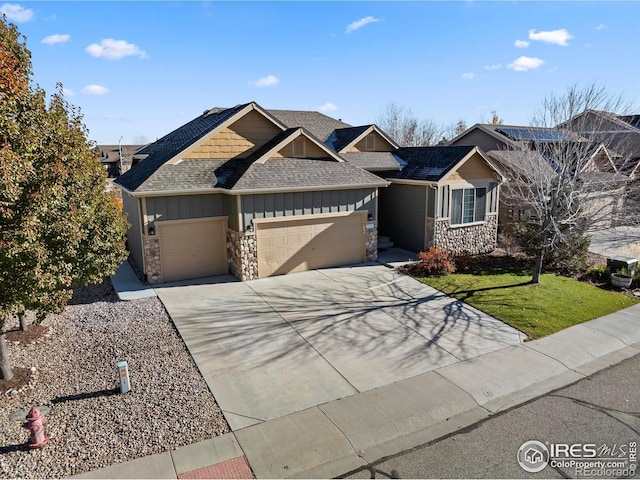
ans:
x=271 y=347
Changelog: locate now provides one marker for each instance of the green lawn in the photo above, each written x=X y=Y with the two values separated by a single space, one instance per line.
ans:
x=537 y=310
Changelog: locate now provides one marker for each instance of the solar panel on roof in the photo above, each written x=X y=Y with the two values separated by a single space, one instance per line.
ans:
x=538 y=135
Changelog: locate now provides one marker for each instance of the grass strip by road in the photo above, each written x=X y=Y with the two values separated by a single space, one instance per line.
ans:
x=537 y=310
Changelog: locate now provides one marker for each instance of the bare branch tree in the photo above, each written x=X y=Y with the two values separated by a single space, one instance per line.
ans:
x=401 y=124
x=562 y=180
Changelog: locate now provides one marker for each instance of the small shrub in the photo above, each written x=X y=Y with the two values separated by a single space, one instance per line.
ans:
x=434 y=262
x=465 y=262
x=600 y=274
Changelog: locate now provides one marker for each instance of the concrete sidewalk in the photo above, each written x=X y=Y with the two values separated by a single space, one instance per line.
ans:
x=127 y=284
x=342 y=435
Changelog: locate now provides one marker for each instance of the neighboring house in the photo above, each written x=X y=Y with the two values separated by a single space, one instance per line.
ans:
x=237 y=190
x=509 y=146
x=621 y=134
x=116 y=159
x=444 y=196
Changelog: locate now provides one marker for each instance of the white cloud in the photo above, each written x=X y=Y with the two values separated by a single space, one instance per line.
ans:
x=556 y=37
x=95 y=90
x=361 y=23
x=468 y=75
x=268 y=81
x=56 y=38
x=16 y=12
x=521 y=43
x=67 y=92
x=602 y=26
x=328 y=107
x=522 y=64
x=493 y=67
x=115 y=49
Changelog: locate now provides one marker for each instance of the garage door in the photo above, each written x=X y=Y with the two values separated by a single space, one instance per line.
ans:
x=192 y=248
x=286 y=246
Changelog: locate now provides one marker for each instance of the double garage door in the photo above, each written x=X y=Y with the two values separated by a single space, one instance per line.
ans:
x=295 y=245
x=192 y=248
x=198 y=248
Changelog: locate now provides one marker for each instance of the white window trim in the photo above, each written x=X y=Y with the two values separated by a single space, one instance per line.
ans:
x=468 y=186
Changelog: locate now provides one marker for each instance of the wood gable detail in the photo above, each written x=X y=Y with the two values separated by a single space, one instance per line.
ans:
x=300 y=145
x=240 y=135
x=474 y=167
x=370 y=140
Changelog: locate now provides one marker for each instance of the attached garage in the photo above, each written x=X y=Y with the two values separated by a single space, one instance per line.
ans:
x=192 y=248
x=287 y=245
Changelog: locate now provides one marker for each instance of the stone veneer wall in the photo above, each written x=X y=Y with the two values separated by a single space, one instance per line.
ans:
x=471 y=239
x=372 y=244
x=242 y=255
x=153 y=266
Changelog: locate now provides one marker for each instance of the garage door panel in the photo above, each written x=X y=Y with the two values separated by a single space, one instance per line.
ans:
x=299 y=245
x=192 y=249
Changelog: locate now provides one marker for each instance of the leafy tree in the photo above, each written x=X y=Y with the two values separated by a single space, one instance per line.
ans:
x=59 y=228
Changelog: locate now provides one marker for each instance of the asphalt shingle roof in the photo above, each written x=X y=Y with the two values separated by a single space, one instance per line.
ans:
x=153 y=174
x=341 y=137
x=283 y=173
x=172 y=144
x=372 y=160
x=320 y=126
x=243 y=174
x=199 y=174
x=429 y=163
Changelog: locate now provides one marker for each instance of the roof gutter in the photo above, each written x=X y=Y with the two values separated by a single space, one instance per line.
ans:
x=422 y=183
x=198 y=191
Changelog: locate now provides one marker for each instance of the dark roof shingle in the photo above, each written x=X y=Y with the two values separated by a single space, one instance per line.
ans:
x=341 y=137
x=373 y=160
x=318 y=124
x=429 y=163
x=172 y=144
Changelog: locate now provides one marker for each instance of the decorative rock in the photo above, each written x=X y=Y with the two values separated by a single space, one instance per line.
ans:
x=472 y=239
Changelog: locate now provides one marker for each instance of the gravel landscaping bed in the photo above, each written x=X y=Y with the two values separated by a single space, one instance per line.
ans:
x=90 y=424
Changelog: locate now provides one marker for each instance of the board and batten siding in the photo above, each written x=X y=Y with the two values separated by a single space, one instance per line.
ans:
x=131 y=206
x=379 y=145
x=307 y=203
x=300 y=148
x=183 y=207
x=403 y=211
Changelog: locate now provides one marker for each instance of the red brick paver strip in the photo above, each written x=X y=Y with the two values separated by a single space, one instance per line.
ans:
x=234 y=468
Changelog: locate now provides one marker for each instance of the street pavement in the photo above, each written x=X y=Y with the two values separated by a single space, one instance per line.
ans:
x=603 y=409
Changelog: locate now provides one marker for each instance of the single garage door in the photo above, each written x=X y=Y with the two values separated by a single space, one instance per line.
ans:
x=286 y=246
x=192 y=248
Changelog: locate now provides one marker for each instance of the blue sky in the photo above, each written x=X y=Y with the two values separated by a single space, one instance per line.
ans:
x=145 y=68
